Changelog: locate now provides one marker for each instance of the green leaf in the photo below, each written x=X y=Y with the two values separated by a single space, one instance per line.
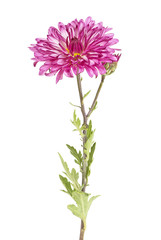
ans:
x=77 y=123
x=66 y=184
x=74 y=105
x=73 y=175
x=85 y=95
x=89 y=140
x=95 y=106
x=83 y=205
x=88 y=144
x=89 y=129
x=75 y=154
x=90 y=160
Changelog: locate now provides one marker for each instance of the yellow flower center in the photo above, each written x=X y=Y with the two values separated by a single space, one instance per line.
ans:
x=75 y=54
x=67 y=50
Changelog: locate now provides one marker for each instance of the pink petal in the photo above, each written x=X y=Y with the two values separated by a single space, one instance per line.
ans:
x=43 y=69
x=101 y=69
x=59 y=75
x=89 y=71
x=62 y=29
x=95 y=71
x=80 y=69
x=60 y=61
x=113 y=41
x=35 y=63
x=68 y=73
x=74 y=68
x=50 y=74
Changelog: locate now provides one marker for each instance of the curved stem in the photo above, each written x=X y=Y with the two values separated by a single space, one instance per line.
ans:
x=95 y=99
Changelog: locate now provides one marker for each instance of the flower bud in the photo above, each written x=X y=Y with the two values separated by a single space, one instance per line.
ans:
x=111 y=67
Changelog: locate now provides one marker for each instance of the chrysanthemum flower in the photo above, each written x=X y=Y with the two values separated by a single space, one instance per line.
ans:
x=75 y=47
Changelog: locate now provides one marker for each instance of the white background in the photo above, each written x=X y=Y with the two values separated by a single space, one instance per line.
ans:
x=35 y=124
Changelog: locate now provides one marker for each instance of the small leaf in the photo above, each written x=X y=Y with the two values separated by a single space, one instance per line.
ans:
x=89 y=140
x=77 y=123
x=88 y=144
x=73 y=176
x=64 y=164
x=95 y=106
x=74 y=105
x=89 y=129
x=83 y=205
x=75 y=154
x=66 y=184
x=90 y=160
x=85 y=95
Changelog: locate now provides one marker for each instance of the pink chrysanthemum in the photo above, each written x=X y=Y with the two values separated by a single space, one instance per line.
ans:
x=75 y=47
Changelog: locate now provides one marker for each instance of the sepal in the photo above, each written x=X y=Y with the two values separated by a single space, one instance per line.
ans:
x=111 y=67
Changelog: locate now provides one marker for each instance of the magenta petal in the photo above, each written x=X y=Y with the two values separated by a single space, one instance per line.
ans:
x=31 y=48
x=95 y=71
x=59 y=76
x=118 y=57
x=62 y=29
x=35 y=63
x=80 y=69
x=112 y=42
x=43 y=69
x=68 y=72
x=60 y=61
x=74 y=68
x=88 y=20
x=50 y=74
x=89 y=71
x=101 y=69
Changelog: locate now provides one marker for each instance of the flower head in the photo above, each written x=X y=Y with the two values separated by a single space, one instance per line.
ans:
x=75 y=47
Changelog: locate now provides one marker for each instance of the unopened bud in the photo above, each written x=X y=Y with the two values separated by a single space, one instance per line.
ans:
x=111 y=67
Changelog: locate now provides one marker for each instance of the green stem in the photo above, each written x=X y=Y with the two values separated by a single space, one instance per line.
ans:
x=81 y=98
x=95 y=99
x=82 y=230
x=84 y=163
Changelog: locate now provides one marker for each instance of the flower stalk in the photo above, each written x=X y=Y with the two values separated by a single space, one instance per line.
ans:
x=84 y=131
x=84 y=164
x=85 y=123
x=95 y=99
